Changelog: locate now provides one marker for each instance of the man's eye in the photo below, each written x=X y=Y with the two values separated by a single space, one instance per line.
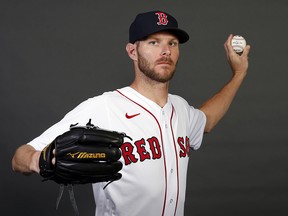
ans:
x=153 y=42
x=173 y=44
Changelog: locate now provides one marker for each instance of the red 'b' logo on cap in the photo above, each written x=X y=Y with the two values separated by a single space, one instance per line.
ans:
x=162 y=18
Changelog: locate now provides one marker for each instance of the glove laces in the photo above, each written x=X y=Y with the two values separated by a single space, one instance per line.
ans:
x=71 y=196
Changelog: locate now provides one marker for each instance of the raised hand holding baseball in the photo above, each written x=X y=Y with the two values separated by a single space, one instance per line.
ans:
x=237 y=61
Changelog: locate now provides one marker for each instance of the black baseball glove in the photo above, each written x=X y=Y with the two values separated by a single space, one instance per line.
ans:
x=83 y=155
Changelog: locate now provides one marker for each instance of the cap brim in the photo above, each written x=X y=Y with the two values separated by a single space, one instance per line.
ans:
x=179 y=33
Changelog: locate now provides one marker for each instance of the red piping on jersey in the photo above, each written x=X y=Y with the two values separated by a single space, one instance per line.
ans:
x=165 y=195
x=177 y=163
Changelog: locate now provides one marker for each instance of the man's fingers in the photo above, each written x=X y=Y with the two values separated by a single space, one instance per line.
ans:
x=53 y=159
x=246 y=50
x=228 y=46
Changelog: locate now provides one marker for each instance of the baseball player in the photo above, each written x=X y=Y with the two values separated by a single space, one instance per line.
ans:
x=163 y=126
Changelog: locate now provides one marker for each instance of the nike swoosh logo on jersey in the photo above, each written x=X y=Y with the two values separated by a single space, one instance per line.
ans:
x=131 y=116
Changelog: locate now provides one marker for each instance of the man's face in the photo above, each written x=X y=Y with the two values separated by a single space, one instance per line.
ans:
x=158 y=56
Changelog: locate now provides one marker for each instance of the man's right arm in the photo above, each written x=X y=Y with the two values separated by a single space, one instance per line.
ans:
x=26 y=160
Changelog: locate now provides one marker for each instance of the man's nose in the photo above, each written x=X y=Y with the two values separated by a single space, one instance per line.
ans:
x=166 y=51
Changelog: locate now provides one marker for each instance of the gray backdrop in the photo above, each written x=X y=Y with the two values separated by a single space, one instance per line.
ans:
x=55 y=54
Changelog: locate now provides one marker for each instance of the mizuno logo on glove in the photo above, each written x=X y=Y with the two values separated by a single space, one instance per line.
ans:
x=87 y=155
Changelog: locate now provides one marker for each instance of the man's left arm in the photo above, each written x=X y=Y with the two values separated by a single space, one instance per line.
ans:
x=216 y=107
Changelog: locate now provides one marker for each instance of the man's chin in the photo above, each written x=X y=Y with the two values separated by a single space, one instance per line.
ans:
x=163 y=78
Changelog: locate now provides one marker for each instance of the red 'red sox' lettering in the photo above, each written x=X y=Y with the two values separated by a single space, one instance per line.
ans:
x=152 y=150
x=184 y=146
x=143 y=154
x=127 y=153
x=155 y=147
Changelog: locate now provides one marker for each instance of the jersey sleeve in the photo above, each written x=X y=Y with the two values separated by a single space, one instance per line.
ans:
x=93 y=108
x=197 y=125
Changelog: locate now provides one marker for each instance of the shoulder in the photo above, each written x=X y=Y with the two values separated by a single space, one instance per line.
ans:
x=178 y=101
x=101 y=99
x=125 y=94
x=181 y=105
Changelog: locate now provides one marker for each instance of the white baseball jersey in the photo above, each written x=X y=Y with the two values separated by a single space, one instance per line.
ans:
x=154 y=163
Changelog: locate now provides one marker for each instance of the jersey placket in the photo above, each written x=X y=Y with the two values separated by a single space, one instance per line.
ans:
x=171 y=160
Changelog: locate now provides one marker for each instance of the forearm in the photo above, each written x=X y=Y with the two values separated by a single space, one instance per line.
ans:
x=217 y=106
x=26 y=160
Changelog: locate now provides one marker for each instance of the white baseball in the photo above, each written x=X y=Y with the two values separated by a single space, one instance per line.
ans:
x=238 y=43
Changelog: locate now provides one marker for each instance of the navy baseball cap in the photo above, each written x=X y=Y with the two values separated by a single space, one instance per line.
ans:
x=152 y=22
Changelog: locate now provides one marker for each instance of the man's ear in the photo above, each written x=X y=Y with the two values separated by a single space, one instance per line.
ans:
x=131 y=51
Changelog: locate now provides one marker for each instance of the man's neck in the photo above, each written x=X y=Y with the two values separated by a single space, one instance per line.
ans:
x=155 y=91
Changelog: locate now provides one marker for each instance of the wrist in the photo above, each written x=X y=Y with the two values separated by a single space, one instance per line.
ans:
x=240 y=75
x=34 y=165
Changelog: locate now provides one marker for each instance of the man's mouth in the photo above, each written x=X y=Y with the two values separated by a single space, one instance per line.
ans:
x=165 y=61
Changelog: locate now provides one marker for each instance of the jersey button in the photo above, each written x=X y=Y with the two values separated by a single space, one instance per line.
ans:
x=171 y=200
